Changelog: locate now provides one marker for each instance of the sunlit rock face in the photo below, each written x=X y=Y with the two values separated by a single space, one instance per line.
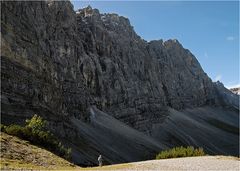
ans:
x=58 y=62
x=235 y=90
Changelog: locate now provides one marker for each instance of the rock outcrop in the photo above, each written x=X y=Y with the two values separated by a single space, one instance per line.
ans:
x=58 y=62
x=235 y=90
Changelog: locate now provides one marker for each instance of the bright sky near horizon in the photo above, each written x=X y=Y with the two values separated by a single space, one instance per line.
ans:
x=210 y=30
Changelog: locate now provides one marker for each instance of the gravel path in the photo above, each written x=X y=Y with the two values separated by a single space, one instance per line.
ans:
x=205 y=163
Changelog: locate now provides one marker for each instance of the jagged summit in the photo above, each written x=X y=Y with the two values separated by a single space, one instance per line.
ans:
x=88 y=14
x=168 y=42
x=87 y=11
x=113 y=20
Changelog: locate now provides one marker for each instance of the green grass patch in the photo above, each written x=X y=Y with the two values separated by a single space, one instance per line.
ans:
x=180 y=152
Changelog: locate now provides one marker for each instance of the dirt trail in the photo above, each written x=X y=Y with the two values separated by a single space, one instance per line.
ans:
x=204 y=163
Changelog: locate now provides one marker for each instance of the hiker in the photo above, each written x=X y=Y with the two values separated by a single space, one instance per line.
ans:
x=100 y=160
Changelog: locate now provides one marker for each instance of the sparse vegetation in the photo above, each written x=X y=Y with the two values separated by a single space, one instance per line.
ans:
x=180 y=152
x=19 y=154
x=36 y=132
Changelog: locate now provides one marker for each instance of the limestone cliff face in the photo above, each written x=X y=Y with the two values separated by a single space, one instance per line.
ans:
x=133 y=79
x=57 y=62
x=41 y=54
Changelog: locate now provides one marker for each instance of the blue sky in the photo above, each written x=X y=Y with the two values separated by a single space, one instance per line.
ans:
x=210 y=30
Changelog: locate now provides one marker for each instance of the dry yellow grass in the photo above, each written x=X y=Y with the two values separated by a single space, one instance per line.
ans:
x=19 y=154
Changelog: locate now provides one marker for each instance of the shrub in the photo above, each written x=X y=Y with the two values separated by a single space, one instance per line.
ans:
x=36 y=132
x=180 y=152
x=36 y=123
x=16 y=130
x=199 y=152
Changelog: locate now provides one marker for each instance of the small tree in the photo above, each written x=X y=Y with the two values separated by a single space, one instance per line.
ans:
x=36 y=123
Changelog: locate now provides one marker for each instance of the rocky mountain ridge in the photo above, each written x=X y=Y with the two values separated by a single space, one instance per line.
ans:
x=59 y=63
x=235 y=90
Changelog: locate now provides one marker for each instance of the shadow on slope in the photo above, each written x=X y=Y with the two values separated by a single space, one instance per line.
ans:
x=116 y=141
x=213 y=128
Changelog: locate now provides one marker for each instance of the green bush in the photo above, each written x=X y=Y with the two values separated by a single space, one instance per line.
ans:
x=16 y=130
x=180 y=152
x=36 y=132
x=36 y=123
x=199 y=152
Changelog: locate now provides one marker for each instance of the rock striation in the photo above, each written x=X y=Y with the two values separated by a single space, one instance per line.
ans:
x=58 y=63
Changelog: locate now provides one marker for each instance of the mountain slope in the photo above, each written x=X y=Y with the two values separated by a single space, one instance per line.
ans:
x=60 y=63
x=115 y=140
x=214 y=129
x=20 y=154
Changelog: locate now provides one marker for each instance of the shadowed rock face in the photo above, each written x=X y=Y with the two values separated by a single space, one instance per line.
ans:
x=58 y=63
